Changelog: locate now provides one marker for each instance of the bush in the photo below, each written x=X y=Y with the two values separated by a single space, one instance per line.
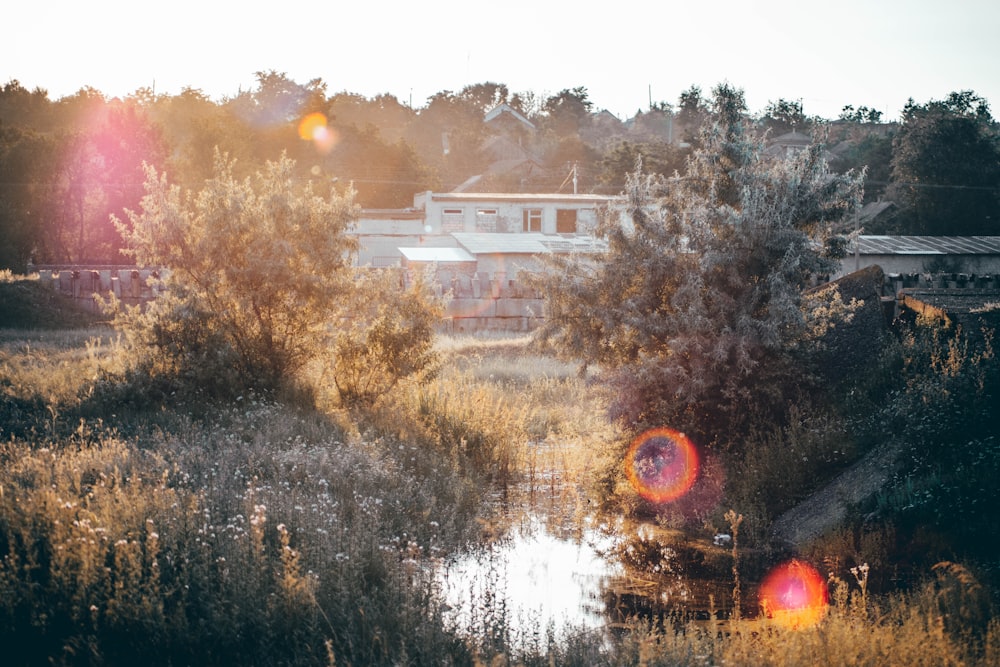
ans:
x=387 y=338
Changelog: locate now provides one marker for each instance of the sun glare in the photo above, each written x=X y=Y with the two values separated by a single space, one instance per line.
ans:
x=313 y=128
x=662 y=465
x=794 y=595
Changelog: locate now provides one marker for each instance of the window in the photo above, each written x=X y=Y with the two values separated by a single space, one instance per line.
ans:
x=566 y=221
x=452 y=220
x=532 y=220
x=486 y=219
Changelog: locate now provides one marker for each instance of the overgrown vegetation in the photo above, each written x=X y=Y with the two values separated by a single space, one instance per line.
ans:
x=260 y=284
x=268 y=533
x=269 y=464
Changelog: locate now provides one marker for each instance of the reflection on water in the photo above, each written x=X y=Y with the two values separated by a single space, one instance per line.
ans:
x=530 y=584
x=540 y=581
x=560 y=566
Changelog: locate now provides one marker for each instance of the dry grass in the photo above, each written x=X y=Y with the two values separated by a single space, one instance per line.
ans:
x=274 y=535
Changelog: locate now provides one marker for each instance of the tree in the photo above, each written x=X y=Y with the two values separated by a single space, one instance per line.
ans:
x=260 y=282
x=25 y=166
x=258 y=269
x=567 y=112
x=658 y=157
x=862 y=114
x=696 y=308
x=784 y=116
x=946 y=168
x=692 y=112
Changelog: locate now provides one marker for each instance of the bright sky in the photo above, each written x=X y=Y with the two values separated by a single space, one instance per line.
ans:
x=875 y=53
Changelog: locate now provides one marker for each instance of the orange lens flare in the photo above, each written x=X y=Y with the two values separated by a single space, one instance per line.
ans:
x=661 y=465
x=794 y=595
x=314 y=128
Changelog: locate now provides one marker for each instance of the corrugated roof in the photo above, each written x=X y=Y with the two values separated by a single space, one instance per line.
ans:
x=483 y=243
x=441 y=255
x=929 y=245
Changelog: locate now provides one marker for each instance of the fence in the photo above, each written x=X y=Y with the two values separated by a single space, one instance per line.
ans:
x=478 y=301
x=132 y=285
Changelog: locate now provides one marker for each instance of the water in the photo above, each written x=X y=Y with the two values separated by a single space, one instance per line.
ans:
x=542 y=580
x=534 y=582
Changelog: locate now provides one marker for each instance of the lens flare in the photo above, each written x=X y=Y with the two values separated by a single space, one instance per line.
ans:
x=661 y=465
x=794 y=595
x=314 y=128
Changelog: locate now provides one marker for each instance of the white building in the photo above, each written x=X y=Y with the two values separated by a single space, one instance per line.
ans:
x=436 y=217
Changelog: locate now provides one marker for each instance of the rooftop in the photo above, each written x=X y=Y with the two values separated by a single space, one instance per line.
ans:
x=929 y=245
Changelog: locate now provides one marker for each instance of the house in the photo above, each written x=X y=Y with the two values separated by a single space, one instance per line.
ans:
x=788 y=144
x=512 y=213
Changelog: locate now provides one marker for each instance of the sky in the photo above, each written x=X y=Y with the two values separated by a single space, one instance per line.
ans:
x=874 y=53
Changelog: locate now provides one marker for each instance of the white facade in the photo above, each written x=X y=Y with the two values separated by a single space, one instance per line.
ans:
x=451 y=212
x=436 y=216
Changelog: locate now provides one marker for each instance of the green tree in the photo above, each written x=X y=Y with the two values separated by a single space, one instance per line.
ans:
x=696 y=308
x=389 y=336
x=946 y=168
x=567 y=112
x=260 y=281
x=257 y=271
x=862 y=114
x=25 y=171
x=658 y=157
x=692 y=112
x=784 y=116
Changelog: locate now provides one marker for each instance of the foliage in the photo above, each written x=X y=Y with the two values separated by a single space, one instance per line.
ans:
x=657 y=157
x=257 y=270
x=862 y=114
x=25 y=162
x=259 y=537
x=940 y=412
x=100 y=174
x=699 y=295
x=388 y=337
x=784 y=116
x=946 y=167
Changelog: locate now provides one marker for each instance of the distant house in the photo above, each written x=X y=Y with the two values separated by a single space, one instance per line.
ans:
x=510 y=213
x=505 y=118
x=436 y=218
x=788 y=144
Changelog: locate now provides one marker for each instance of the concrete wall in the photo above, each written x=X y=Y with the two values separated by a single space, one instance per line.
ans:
x=924 y=264
x=132 y=286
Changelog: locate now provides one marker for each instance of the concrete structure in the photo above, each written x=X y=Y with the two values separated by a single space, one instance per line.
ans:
x=927 y=258
x=436 y=217
x=507 y=213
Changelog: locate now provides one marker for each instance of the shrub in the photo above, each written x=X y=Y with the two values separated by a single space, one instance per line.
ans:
x=387 y=338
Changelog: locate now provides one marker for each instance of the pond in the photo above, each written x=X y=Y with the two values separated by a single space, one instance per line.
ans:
x=554 y=567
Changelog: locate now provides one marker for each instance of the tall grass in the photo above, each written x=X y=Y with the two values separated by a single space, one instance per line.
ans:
x=268 y=532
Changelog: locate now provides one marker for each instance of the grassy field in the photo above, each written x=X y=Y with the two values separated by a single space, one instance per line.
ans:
x=271 y=531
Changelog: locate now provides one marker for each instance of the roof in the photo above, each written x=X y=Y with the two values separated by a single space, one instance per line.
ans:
x=792 y=138
x=501 y=109
x=457 y=197
x=484 y=243
x=530 y=243
x=441 y=255
x=929 y=245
